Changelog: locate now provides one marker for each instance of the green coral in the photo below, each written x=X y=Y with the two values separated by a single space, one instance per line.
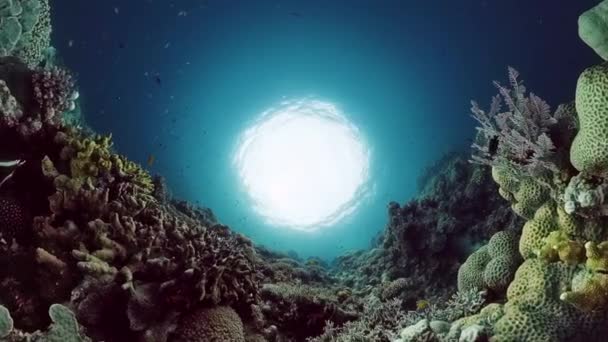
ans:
x=470 y=274
x=25 y=29
x=560 y=292
x=91 y=157
x=593 y=28
x=499 y=272
x=216 y=324
x=533 y=311
x=64 y=327
x=589 y=151
x=492 y=266
x=530 y=196
x=503 y=250
x=536 y=230
x=6 y=322
x=526 y=194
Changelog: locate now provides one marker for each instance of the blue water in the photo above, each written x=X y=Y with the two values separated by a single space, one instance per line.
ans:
x=183 y=87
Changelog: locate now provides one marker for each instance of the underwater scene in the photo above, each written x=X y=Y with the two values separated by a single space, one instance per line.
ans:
x=303 y=170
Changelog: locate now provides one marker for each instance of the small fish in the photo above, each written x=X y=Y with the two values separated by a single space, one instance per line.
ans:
x=157 y=79
x=182 y=13
x=151 y=160
x=422 y=304
x=116 y=10
x=121 y=45
x=167 y=44
x=295 y=14
x=70 y=43
x=493 y=145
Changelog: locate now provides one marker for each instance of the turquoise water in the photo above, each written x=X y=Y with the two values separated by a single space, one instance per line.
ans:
x=181 y=80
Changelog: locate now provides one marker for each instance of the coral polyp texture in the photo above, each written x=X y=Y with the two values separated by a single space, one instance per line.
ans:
x=589 y=153
x=25 y=29
x=552 y=168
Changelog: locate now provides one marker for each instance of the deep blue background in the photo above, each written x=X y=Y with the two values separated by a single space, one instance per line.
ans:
x=403 y=71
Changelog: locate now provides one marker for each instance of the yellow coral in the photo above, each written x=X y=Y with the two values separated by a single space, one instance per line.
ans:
x=597 y=256
x=91 y=157
x=559 y=247
x=133 y=172
x=589 y=291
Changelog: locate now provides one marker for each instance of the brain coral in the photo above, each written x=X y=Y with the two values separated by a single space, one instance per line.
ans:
x=217 y=324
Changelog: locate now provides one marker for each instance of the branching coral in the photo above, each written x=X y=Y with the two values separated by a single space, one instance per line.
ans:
x=34 y=100
x=54 y=93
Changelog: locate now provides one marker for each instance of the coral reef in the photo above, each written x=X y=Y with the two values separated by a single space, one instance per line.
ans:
x=92 y=247
x=552 y=168
x=426 y=240
x=63 y=328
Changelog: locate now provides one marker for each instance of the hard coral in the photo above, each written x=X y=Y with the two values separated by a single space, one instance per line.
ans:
x=33 y=100
x=10 y=111
x=589 y=149
x=64 y=327
x=215 y=324
x=54 y=93
x=492 y=266
x=35 y=34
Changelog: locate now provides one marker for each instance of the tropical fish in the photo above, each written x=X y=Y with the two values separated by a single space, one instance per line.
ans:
x=422 y=304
